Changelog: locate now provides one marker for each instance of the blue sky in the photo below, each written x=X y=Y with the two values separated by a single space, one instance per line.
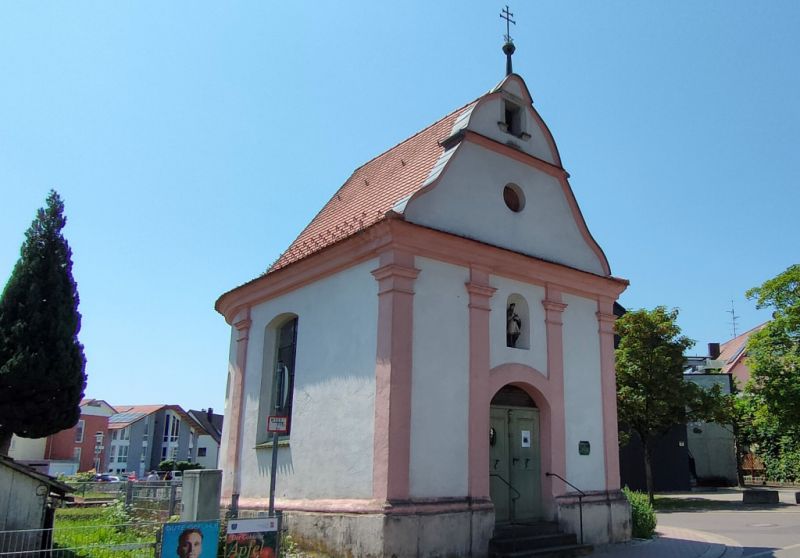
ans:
x=192 y=141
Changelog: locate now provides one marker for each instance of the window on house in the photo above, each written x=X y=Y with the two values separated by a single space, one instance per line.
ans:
x=76 y=454
x=513 y=197
x=146 y=434
x=79 y=428
x=173 y=453
x=201 y=452
x=163 y=453
x=112 y=454
x=126 y=433
x=283 y=375
x=174 y=429
x=115 y=434
x=123 y=454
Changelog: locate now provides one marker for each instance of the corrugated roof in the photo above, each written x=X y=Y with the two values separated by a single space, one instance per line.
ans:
x=373 y=189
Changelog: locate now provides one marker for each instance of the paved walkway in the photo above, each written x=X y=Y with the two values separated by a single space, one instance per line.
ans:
x=765 y=532
x=673 y=542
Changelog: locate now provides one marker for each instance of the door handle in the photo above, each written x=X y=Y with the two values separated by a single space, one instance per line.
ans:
x=526 y=463
x=496 y=461
x=515 y=461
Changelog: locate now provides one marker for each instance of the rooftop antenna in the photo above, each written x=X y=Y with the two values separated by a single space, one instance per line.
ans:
x=508 y=47
x=734 y=317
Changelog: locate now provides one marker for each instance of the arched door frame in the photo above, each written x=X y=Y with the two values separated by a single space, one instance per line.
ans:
x=551 y=417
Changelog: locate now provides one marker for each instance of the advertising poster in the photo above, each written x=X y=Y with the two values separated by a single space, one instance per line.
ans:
x=190 y=539
x=252 y=538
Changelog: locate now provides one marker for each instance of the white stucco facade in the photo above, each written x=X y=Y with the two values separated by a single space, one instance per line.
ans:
x=468 y=201
x=583 y=403
x=329 y=452
x=440 y=382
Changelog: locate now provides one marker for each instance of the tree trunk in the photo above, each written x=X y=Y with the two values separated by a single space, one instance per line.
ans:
x=648 y=470
x=739 y=456
x=5 y=440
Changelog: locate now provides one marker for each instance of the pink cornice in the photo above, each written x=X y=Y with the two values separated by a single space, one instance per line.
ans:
x=422 y=241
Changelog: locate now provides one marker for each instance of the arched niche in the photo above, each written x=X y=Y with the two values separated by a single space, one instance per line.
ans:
x=518 y=322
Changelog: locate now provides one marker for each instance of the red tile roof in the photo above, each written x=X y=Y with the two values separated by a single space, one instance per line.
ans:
x=372 y=190
x=732 y=351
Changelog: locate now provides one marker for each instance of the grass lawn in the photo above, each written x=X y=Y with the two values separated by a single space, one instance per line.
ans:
x=101 y=532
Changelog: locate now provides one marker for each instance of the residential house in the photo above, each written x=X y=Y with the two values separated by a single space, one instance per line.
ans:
x=71 y=450
x=142 y=436
x=207 y=454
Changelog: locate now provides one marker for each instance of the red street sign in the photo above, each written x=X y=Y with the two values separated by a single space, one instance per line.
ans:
x=278 y=425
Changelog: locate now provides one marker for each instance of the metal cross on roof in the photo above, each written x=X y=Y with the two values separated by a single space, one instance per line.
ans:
x=506 y=15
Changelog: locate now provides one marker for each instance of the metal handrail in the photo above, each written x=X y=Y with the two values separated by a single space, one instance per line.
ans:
x=513 y=498
x=581 y=495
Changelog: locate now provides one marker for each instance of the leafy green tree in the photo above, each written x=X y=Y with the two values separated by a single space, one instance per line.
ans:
x=773 y=353
x=773 y=392
x=652 y=395
x=42 y=363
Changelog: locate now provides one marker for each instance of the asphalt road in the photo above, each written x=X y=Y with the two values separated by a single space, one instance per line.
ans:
x=763 y=533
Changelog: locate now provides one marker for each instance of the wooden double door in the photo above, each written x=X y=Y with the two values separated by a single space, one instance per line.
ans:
x=515 y=463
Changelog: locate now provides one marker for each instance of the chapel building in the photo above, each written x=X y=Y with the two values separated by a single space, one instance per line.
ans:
x=440 y=339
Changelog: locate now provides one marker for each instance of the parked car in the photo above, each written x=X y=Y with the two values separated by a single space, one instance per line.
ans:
x=105 y=477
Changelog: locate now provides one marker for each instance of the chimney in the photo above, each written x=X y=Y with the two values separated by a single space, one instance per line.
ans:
x=713 y=351
x=210 y=412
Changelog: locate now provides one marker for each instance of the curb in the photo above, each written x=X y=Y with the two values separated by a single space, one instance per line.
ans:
x=720 y=546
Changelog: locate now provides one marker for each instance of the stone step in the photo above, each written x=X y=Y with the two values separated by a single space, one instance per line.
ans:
x=540 y=540
x=565 y=551
x=530 y=542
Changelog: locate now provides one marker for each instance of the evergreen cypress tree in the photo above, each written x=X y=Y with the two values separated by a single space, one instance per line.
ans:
x=42 y=363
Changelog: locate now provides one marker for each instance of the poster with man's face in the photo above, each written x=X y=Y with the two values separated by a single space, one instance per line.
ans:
x=190 y=539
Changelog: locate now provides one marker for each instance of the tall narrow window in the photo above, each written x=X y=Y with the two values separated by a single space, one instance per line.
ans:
x=283 y=375
x=79 y=431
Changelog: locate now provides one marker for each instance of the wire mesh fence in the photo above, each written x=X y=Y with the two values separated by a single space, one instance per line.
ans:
x=129 y=540
x=155 y=500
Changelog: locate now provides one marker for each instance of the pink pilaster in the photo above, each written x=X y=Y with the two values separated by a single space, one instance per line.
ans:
x=554 y=309
x=608 y=386
x=242 y=324
x=480 y=293
x=393 y=367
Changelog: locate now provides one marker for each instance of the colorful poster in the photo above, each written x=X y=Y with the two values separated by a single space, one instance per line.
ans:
x=190 y=539
x=252 y=538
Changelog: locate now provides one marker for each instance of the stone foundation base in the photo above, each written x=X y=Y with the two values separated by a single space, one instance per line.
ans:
x=399 y=531
x=606 y=516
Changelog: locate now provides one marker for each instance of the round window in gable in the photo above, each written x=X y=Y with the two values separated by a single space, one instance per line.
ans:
x=514 y=198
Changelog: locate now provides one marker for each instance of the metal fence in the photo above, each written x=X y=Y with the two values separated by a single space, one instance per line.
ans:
x=147 y=500
x=131 y=540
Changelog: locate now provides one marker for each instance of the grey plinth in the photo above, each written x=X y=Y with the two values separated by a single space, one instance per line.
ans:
x=760 y=497
x=200 y=494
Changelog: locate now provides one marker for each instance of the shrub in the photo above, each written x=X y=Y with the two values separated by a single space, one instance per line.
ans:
x=642 y=514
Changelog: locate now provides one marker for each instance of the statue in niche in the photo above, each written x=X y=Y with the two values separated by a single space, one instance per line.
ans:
x=513 y=326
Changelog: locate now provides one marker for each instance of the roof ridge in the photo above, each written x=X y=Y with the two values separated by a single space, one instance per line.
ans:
x=409 y=138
